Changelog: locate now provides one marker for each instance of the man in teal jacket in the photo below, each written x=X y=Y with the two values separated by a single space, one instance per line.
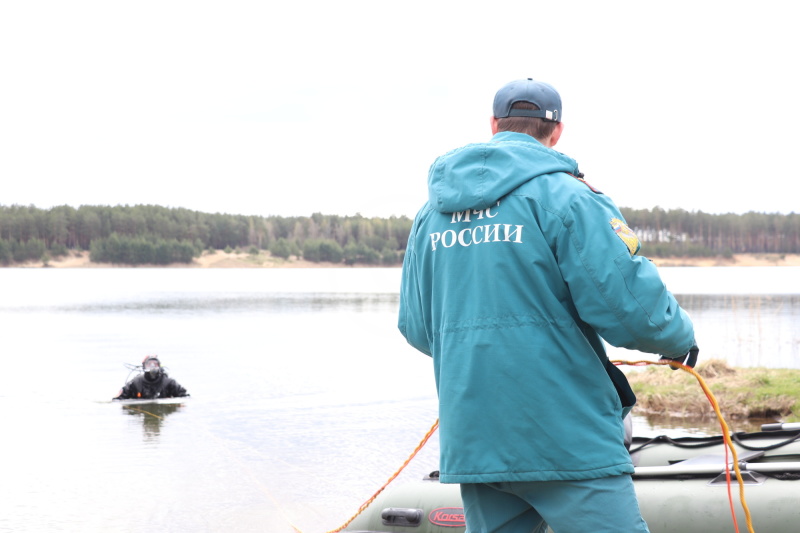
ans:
x=515 y=269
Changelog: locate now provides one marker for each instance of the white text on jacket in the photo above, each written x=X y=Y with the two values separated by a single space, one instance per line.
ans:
x=477 y=234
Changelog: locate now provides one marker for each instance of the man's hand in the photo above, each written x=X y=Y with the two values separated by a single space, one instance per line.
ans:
x=690 y=359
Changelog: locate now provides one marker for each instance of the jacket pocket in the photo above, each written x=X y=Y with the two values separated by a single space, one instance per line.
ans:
x=626 y=396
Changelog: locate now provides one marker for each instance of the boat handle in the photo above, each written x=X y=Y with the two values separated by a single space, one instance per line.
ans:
x=401 y=516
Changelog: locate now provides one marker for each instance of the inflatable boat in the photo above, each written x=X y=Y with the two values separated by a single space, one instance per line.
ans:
x=681 y=483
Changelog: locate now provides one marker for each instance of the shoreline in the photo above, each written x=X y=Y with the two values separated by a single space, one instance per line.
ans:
x=222 y=259
x=209 y=259
x=746 y=260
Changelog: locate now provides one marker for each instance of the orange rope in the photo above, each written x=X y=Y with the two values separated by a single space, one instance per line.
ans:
x=725 y=435
x=674 y=364
x=392 y=478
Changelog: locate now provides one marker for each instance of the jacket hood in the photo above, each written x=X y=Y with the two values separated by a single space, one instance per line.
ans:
x=477 y=175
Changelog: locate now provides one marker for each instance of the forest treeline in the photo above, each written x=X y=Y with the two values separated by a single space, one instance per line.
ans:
x=680 y=233
x=149 y=234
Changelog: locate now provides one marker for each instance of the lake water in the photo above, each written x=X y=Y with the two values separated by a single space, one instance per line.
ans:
x=305 y=398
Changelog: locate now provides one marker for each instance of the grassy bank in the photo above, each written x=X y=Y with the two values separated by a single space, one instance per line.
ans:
x=741 y=392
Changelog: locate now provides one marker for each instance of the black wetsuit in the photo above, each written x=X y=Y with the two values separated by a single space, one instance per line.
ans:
x=143 y=387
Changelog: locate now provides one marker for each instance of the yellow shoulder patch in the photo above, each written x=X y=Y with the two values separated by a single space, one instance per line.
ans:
x=626 y=234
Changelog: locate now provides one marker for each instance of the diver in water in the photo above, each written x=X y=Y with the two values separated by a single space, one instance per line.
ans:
x=153 y=383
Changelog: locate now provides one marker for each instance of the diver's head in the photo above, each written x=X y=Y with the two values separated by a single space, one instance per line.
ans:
x=152 y=367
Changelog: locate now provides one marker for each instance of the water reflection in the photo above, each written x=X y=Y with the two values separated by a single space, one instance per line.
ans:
x=181 y=304
x=152 y=416
x=652 y=425
x=744 y=330
x=747 y=330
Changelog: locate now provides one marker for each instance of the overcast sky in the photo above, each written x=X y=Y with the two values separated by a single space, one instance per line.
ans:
x=295 y=107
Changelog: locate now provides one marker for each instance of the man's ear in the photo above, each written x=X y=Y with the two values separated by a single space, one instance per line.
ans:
x=493 y=122
x=556 y=135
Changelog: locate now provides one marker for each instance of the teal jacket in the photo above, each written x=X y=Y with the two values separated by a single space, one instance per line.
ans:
x=514 y=270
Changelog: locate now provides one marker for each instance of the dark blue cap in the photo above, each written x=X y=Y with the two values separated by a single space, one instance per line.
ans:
x=541 y=94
